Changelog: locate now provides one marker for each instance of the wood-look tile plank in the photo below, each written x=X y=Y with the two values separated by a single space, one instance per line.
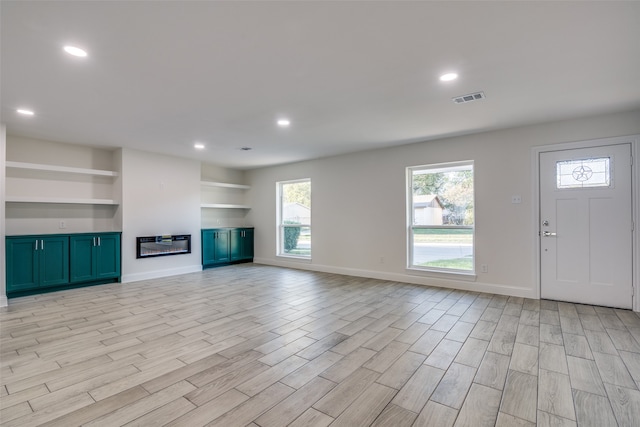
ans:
x=442 y=356
x=520 y=396
x=386 y=357
x=312 y=418
x=220 y=385
x=110 y=388
x=472 y=352
x=502 y=342
x=524 y=359
x=553 y=358
x=413 y=333
x=418 y=389
x=50 y=412
x=623 y=340
x=395 y=416
x=348 y=364
x=584 y=375
x=554 y=394
x=144 y=405
x=337 y=400
x=483 y=330
x=506 y=420
x=493 y=370
x=625 y=403
x=632 y=362
x=480 y=408
x=316 y=349
x=599 y=341
x=366 y=408
x=202 y=415
x=436 y=415
x=593 y=410
x=453 y=387
x=401 y=370
x=549 y=420
x=99 y=409
x=19 y=410
x=577 y=346
x=613 y=370
x=298 y=402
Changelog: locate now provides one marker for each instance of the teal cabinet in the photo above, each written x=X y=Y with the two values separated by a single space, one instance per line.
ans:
x=35 y=262
x=215 y=246
x=222 y=246
x=241 y=244
x=52 y=262
x=94 y=257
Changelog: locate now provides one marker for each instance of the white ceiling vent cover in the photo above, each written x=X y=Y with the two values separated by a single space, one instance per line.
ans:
x=469 y=97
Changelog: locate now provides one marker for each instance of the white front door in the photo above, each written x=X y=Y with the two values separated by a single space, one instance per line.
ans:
x=586 y=225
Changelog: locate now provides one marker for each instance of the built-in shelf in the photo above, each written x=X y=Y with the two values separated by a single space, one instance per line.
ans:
x=224 y=206
x=54 y=168
x=225 y=185
x=60 y=200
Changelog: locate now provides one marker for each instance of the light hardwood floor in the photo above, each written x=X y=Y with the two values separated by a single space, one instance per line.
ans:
x=265 y=346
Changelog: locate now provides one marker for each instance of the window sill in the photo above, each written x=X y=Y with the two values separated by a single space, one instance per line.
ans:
x=295 y=258
x=439 y=274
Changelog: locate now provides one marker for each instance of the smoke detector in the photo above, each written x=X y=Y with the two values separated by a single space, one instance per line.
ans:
x=468 y=97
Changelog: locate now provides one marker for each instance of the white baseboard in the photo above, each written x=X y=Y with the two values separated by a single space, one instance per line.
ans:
x=156 y=274
x=3 y=301
x=464 y=285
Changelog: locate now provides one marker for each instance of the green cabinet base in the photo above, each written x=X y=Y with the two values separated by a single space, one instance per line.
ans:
x=226 y=246
x=46 y=263
x=47 y=290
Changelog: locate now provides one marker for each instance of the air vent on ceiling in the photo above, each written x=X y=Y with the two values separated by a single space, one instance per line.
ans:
x=468 y=98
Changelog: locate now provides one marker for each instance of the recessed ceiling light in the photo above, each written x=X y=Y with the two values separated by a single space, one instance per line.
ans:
x=283 y=123
x=25 y=112
x=448 y=77
x=75 y=51
x=198 y=146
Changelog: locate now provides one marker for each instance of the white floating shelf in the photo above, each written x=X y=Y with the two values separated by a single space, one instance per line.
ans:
x=223 y=206
x=225 y=185
x=54 y=168
x=61 y=200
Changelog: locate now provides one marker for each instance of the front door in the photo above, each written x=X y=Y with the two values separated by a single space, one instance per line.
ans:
x=586 y=225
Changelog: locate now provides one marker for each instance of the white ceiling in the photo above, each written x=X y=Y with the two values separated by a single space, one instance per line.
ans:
x=350 y=75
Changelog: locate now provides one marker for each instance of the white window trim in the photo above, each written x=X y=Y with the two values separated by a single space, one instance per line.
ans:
x=280 y=226
x=435 y=271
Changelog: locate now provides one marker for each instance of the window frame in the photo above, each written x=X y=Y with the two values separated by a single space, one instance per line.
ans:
x=280 y=227
x=435 y=168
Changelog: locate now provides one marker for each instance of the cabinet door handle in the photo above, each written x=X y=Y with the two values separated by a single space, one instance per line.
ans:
x=98 y=241
x=94 y=241
x=36 y=244
x=42 y=244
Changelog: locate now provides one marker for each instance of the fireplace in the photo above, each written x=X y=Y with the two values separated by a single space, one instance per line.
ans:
x=153 y=246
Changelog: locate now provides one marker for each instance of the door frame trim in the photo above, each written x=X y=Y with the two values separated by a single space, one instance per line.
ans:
x=634 y=140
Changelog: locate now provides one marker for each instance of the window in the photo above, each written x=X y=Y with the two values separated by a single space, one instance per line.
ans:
x=294 y=218
x=441 y=217
x=583 y=173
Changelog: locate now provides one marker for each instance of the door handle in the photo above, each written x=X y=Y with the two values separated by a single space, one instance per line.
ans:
x=548 y=234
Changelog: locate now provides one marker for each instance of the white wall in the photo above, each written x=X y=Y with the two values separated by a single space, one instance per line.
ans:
x=359 y=208
x=160 y=195
x=30 y=218
x=3 y=285
x=212 y=218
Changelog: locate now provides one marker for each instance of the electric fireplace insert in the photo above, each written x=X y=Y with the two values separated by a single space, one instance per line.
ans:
x=153 y=246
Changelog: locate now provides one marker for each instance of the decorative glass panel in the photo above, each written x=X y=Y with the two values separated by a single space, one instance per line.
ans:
x=585 y=173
